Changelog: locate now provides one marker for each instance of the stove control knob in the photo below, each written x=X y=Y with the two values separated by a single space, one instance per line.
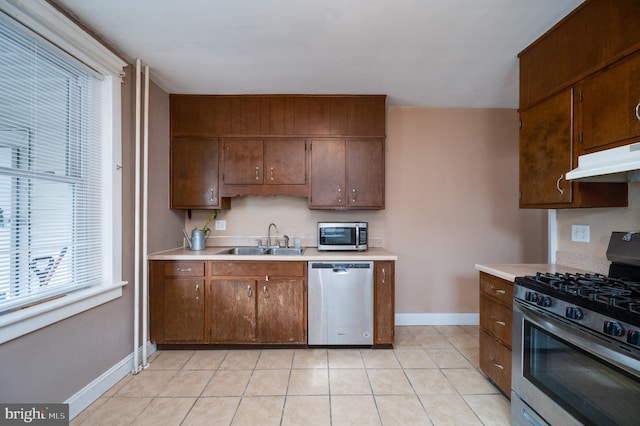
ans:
x=633 y=337
x=613 y=328
x=573 y=313
x=531 y=296
x=544 y=301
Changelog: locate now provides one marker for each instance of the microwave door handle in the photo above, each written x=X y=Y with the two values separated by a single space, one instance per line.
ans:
x=357 y=236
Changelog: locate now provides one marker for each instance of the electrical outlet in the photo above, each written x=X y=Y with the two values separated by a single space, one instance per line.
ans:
x=220 y=225
x=580 y=233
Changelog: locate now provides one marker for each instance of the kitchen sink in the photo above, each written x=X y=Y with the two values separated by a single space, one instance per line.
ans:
x=285 y=251
x=243 y=251
x=276 y=251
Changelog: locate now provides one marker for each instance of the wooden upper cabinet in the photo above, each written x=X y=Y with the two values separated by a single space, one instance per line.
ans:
x=595 y=34
x=546 y=138
x=194 y=174
x=200 y=115
x=242 y=162
x=609 y=106
x=347 y=173
x=266 y=166
x=366 y=116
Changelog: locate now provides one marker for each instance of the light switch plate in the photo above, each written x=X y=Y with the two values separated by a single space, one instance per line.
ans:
x=220 y=225
x=580 y=233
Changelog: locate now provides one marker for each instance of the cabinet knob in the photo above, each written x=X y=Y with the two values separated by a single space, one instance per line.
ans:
x=638 y=111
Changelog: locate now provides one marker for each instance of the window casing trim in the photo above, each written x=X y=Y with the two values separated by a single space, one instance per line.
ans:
x=45 y=20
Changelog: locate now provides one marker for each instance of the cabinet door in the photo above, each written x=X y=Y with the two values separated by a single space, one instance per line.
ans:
x=232 y=310
x=285 y=161
x=328 y=178
x=384 y=303
x=365 y=173
x=281 y=311
x=610 y=106
x=545 y=151
x=194 y=173
x=495 y=361
x=183 y=310
x=242 y=162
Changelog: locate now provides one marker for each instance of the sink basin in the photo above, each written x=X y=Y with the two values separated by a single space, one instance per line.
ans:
x=243 y=250
x=285 y=251
x=276 y=251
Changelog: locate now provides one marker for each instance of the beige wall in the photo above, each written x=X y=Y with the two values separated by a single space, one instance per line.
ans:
x=451 y=202
x=452 y=185
x=602 y=223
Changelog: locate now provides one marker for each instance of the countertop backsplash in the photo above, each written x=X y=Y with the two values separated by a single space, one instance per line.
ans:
x=588 y=263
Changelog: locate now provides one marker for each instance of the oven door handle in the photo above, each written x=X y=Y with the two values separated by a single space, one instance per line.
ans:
x=590 y=342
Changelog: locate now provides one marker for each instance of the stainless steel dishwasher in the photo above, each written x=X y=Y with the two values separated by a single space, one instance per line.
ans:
x=340 y=303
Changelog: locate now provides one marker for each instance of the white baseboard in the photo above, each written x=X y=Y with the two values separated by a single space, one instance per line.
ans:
x=94 y=390
x=437 y=319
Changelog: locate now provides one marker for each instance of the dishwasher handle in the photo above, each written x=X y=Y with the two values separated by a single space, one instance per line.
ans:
x=340 y=270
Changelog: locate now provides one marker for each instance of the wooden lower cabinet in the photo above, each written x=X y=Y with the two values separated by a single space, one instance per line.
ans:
x=177 y=302
x=257 y=302
x=246 y=302
x=496 y=295
x=384 y=303
x=495 y=362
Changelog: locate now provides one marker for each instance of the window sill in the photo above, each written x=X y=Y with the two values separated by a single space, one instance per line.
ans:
x=19 y=323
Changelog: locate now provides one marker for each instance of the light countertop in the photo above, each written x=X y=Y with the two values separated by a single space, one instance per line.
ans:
x=310 y=253
x=509 y=272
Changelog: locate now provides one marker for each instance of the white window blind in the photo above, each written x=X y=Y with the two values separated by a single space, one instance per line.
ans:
x=51 y=171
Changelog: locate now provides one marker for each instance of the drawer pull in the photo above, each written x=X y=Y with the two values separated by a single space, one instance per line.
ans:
x=495 y=364
x=498 y=322
x=183 y=269
x=497 y=290
x=264 y=292
x=249 y=293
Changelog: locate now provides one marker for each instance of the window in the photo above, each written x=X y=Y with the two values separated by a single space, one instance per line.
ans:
x=59 y=200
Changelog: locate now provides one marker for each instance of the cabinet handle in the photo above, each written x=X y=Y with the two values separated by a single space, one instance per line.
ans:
x=495 y=364
x=353 y=195
x=249 y=294
x=384 y=275
x=197 y=291
x=271 y=173
x=264 y=292
x=498 y=322
x=638 y=111
x=558 y=185
x=497 y=290
x=211 y=195
x=257 y=169
x=183 y=269
x=339 y=195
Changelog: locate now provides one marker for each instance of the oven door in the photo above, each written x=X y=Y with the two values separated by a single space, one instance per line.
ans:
x=565 y=374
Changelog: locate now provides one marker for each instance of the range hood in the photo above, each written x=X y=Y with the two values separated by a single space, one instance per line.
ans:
x=620 y=164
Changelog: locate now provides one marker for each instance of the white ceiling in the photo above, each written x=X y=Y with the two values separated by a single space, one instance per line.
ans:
x=428 y=53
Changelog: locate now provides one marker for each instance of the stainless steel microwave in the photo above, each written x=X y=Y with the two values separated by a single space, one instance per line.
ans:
x=345 y=236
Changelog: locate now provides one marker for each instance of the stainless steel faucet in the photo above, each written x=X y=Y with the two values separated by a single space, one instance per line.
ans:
x=269 y=234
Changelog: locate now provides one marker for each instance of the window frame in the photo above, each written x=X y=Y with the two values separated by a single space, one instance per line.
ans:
x=45 y=20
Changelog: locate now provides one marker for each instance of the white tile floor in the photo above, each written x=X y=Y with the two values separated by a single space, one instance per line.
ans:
x=430 y=377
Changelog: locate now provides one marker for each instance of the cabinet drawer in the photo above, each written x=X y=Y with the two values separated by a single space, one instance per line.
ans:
x=496 y=319
x=257 y=269
x=495 y=361
x=496 y=288
x=184 y=269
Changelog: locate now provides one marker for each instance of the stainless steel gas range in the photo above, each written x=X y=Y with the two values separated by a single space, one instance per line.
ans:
x=576 y=343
